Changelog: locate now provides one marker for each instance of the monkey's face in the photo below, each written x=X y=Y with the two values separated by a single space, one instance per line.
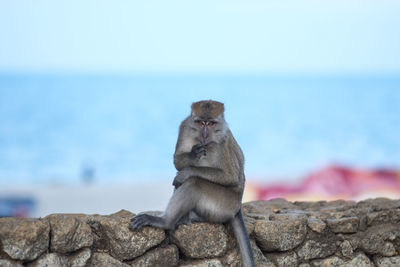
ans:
x=208 y=130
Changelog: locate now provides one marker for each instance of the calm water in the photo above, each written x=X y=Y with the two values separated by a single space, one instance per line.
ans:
x=54 y=127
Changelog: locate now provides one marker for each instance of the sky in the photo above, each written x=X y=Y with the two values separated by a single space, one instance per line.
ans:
x=302 y=36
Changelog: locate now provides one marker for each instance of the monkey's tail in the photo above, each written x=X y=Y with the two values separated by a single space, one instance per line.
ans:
x=243 y=240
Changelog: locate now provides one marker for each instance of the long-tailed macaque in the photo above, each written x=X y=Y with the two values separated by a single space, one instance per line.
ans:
x=210 y=180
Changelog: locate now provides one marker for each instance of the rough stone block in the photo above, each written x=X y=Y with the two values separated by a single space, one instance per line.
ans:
x=359 y=260
x=234 y=259
x=387 y=261
x=346 y=249
x=158 y=257
x=77 y=259
x=284 y=259
x=201 y=240
x=378 y=239
x=24 y=239
x=112 y=235
x=203 y=263
x=344 y=225
x=50 y=259
x=105 y=260
x=316 y=225
x=9 y=263
x=280 y=235
x=333 y=261
x=314 y=249
x=68 y=233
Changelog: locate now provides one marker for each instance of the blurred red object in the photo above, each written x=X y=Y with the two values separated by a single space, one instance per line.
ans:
x=336 y=182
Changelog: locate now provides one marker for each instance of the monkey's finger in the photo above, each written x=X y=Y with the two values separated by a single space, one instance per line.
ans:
x=137 y=222
x=140 y=220
x=138 y=217
x=135 y=225
x=196 y=147
x=200 y=150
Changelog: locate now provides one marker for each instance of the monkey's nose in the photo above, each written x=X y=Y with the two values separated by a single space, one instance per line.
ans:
x=204 y=133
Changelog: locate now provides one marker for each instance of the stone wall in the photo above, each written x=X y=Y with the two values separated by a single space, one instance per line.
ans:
x=337 y=233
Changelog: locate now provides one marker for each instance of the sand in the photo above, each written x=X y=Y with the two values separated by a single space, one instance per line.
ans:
x=92 y=199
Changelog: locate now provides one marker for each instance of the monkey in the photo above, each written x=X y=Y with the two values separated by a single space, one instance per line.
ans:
x=210 y=178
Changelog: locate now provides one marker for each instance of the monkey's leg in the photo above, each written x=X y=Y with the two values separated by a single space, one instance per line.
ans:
x=216 y=203
x=189 y=218
x=182 y=201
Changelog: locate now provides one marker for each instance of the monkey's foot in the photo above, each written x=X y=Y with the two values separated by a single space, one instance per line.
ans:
x=141 y=220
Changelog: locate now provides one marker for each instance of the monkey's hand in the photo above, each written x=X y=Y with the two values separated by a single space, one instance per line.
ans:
x=180 y=178
x=199 y=150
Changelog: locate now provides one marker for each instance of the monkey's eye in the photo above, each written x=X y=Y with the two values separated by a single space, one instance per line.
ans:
x=212 y=123
x=199 y=122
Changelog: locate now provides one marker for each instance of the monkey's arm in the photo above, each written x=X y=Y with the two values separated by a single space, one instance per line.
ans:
x=183 y=159
x=215 y=175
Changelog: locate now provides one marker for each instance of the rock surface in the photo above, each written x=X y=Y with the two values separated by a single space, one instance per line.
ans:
x=284 y=259
x=77 y=259
x=280 y=235
x=8 y=263
x=69 y=233
x=306 y=234
x=201 y=240
x=387 y=261
x=105 y=260
x=112 y=235
x=203 y=263
x=316 y=225
x=233 y=258
x=24 y=239
x=344 y=225
x=159 y=257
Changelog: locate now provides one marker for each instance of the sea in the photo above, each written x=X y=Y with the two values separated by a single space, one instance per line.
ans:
x=108 y=128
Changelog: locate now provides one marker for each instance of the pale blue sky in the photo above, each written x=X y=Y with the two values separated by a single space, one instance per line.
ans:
x=201 y=36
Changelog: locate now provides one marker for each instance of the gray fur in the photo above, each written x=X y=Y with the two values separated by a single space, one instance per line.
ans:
x=210 y=180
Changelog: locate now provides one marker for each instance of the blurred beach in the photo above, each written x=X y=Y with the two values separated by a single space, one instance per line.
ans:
x=325 y=184
x=97 y=144
x=90 y=199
